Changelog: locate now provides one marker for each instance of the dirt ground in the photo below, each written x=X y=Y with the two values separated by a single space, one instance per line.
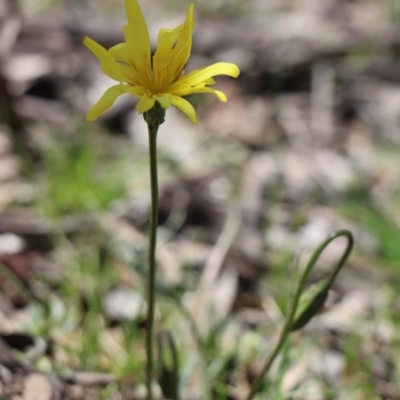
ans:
x=307 y=143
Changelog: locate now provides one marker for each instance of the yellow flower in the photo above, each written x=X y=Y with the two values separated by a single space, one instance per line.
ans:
x=160 y=77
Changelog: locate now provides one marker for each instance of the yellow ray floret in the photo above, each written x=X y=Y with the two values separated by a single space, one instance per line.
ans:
x=160 y=78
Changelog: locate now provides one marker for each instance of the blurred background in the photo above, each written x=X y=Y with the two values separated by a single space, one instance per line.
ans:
x=308 y=143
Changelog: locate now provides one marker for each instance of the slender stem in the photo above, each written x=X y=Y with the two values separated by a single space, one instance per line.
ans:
x=286 y=329
x=153 y=129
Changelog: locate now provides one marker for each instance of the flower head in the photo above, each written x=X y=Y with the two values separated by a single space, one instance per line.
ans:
x=160 y=77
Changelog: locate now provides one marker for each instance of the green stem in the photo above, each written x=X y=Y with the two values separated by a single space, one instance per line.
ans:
x=153 y=129
x=295 y=300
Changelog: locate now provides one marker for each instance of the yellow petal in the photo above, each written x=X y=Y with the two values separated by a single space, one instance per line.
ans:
x=136 y=20
x=182 y=49
x=99 y=51
x=200 y=75
x=109 y=66
x=145 y=104
x=162 y=56
x=137 y=36
x=137 y=91
x=120 y=53
x=183 y=46
x=105 y=102
x=115 y=72
x=165 y=100
x=221 y=95
x=165 y=42
x=199 y=89
x=139 y=54
x=184 y=106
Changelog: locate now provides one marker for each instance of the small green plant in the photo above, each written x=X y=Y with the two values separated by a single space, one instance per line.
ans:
x=75 y=179
x=160 y=81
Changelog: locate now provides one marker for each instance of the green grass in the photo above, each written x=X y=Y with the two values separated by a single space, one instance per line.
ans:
x=78 y=176
x=84 y=174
